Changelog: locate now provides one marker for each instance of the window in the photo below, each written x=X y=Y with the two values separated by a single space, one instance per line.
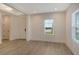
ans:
x=75 y=26
x=49 y=26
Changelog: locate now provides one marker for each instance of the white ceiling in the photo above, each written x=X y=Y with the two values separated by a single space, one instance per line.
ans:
x=33 y=8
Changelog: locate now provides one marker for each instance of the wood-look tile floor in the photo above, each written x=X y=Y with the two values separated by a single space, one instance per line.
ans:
x=22 y=47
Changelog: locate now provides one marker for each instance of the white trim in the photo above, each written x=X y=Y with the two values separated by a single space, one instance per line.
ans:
x=28 y=28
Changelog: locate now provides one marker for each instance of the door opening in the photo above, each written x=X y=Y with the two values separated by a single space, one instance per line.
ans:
x=6 y=27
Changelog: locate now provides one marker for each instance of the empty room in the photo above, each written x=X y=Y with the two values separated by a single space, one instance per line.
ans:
x=39 y=28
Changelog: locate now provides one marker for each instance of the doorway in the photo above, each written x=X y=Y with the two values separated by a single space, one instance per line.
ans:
x=6 y=27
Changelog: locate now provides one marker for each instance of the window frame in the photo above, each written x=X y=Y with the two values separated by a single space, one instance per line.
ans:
x=74 y=25
x=52 y=33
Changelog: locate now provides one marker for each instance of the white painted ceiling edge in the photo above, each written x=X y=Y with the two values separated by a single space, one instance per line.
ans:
x=8 y=9
x=34 y=8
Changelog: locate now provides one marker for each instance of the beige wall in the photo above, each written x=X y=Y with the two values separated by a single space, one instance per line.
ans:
x=37 y=27
x=17 y=27
x=70 y=42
